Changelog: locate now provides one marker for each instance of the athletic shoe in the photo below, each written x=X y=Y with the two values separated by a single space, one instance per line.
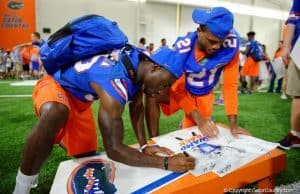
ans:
x=219 y=102
x=290 y=141
x=283 y=97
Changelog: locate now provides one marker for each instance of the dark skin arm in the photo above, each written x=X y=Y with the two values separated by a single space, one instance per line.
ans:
x=152 y=115
x=136 y=109
x=112 y=130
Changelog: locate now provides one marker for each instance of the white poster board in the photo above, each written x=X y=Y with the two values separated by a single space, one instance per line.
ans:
x=295 y=54
x=123 y=178
x=220 y=155
x=97 y=174
x=278 y=67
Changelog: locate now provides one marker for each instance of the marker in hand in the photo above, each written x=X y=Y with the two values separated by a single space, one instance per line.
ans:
x=186 y=154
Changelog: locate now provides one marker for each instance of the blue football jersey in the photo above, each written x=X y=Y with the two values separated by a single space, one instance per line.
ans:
x=109 y=74
x=202 y=76
x=252 y=44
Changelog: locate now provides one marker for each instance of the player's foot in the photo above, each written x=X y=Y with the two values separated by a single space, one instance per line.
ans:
x=249 y=92
x=219 y=102
x=290 y=141
x=283 y=97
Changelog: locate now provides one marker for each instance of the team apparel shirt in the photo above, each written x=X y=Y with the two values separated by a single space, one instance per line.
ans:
x=110 y=75
x=294 y=18
x=202 y=75
x=202 y=72
x=252 y=44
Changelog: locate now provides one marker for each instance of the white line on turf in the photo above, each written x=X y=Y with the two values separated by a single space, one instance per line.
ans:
x=15 y=96
x=24 y=83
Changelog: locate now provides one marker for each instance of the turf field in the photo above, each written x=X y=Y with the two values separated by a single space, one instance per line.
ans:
x=266 y=116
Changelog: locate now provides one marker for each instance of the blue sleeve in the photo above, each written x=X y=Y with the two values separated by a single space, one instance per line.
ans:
x=114 y=87
x=294 y=15
x=109 y=77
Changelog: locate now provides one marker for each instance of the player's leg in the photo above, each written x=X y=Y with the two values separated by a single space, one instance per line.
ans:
x=39 y=144
x=80 y=136
x=293 y=88
x=252 y=83
x=52 y=106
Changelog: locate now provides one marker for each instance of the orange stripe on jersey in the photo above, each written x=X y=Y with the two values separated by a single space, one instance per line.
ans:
x=118 y=89
x=199 y=54
x=230 y=85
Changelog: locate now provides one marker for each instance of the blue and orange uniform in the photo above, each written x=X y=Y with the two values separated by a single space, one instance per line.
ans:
x=71 y=88
x=194 y=90
x=251 y=67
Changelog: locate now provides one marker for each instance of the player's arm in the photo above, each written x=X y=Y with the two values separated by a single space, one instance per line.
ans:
x=112 y=130
x=22 y=45
x=246 y=51
x=152 y=112
x=136 y=110
x=206 y=127
x=230 y=87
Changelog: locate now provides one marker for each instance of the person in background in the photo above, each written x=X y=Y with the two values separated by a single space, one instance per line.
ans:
x=2 y=64
x=151 y=48
x=8 y=64
x=35 y=62
x=142 y=43
x=163 y=43
x=25 y=54
x=263 y=69
x=292 y=139
x=35 y=40
x=251 y=67
x=281 y=82
x=17 y=59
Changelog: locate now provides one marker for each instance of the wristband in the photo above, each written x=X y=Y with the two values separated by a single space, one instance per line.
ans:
x=166 y=162
x=143 y=147
x=146 y=145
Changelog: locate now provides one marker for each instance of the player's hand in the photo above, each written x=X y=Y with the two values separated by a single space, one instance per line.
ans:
x=209 y=129
x=181 y=163
x=156 y=150
x=235 y=131
x=286 y=51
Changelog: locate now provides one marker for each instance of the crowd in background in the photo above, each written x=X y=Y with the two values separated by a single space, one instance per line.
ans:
x=22 y=61
x=267 y=74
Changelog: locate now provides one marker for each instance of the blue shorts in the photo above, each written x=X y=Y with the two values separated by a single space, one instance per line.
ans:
x=35 y=66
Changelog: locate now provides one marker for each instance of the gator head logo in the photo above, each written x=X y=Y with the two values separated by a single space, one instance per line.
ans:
x=92 y=177
x=15 y=5
x=203 y=61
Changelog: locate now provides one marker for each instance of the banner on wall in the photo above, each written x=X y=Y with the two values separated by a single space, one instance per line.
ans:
x=17 y=22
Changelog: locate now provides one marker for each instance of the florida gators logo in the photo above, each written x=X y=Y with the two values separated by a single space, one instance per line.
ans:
x=94 y=176
x=15 y=5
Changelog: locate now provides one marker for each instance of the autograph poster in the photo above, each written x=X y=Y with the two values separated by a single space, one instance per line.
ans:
x=220 y=155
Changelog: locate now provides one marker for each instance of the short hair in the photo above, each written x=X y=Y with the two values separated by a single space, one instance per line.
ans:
x=37 y=34
x=163 y=39
x=203 y=28
x=143 y=40
x=251 y=33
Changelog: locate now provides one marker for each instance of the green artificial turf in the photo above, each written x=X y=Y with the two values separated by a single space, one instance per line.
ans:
x=265 y=115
